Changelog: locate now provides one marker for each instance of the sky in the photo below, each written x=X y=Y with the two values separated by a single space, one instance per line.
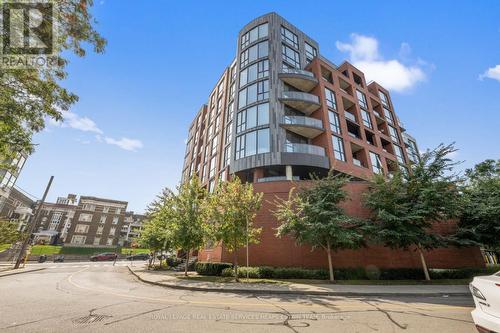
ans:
x=124 y=138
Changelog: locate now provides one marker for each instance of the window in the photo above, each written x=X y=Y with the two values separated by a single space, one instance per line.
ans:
x=88 y=207
x=115 y=220
x=229 y=132
x=231 y=91
x=334 y=122
x=388 y=116
x=254 y=116
x=112 y=231
x=413 y=151
x=105 y=209
x=211 y=186
x=99 y=230
x=255 y=142
x=85 y=217
x=118 y=211
x=230 y=112
x=258 y=32
x=227 y=156
x=393 y=133
x=399 y=154
x=220 y=88
x=331 y=102
x=211 y=173
x=82 y=228
x=219 y=105
x=56 y=219
x=253 y=93
x=254 y=72
x=253 y=53
x=383 y=98
x=361 y=99
x=78 y=239
x=376 y=163
x=367 y=120
x=311 y=52
x=290 y=56
x=97 y=240
x=102 y=219
x=338 y=148
x=289 y=37
x=109 y=241
x=214 y=145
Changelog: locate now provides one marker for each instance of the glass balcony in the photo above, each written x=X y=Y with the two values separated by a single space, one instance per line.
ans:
x=275 y=179
x=298 y=78
x=304 y=148
x=305 y=126
x=302 y=101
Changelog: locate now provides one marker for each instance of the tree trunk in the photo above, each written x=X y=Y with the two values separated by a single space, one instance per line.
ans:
x=424 y=264
x=330 y=266
x=187 y=264
x=236 y=266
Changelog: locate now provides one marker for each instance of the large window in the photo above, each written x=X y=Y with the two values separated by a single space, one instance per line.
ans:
x=331 y=102
x=253 y=53
x=399 y=154
x=85 y=217
x=290 y=56
x=253 y=93
x=338 y=148
x=361 y=99
x=258 y=32
x=376 y=163
x=413 y=151
x=289 y=37
x=255 y=142
x=254 y=72
x=212 y=167
x=383 y=98
x=367 y=120
x=56 y=219
x=311 y=52
x=78 y=239
x=334 y=122
x=388 y=116
x=393 y=133
x=254 y=116
x=82 y=228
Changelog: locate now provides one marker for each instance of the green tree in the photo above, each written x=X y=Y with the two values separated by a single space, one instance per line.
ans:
x=480 y=219
x=313 y=216
x=406 y=206
x=9 y=233
x=30 y=96
x=230 y=212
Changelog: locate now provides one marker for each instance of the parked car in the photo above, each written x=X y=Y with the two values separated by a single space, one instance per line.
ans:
x=104 y=256
x=486 y=293
x=139 y=256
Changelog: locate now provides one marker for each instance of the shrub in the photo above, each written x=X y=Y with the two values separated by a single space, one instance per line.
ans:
x=211 y=268
x=402 y=274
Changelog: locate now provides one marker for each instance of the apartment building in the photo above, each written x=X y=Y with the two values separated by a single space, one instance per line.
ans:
x=17 y=207
x=281 y=111
x=8 y=178
x=131 y=228
x=55 y=219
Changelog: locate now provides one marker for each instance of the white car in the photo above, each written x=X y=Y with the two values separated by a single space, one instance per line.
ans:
x=486 y=293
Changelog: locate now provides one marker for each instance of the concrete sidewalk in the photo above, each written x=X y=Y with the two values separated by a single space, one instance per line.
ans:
x=169 y=279
x=4 y=271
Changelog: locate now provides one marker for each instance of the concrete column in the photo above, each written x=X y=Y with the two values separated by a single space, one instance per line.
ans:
x=289 y=173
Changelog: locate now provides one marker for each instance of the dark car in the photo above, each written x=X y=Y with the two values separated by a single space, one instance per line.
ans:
x=139 y=256
x=110 y=256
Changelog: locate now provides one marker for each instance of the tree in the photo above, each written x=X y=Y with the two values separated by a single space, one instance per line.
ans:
x=30 y=96
x=480 y=219
x=313 y=216
x=9 y=232
x=407 y=205
x=230 y=212
x=186 y=219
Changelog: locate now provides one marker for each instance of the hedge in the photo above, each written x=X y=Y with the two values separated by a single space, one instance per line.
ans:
x=211 y=268
x=372 y=273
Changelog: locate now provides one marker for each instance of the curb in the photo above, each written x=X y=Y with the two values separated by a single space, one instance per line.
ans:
x=21 y=272
x=295 y=292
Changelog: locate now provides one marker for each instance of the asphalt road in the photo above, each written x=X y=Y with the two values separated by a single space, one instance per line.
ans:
x=99 y=297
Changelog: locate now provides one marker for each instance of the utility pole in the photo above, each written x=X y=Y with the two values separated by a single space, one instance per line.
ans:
x=33 y=225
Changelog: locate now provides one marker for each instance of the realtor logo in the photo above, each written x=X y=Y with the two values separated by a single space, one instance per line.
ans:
x=28 y=33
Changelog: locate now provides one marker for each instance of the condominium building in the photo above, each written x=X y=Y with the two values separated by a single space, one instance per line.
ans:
x=8 y=177
x=280 y=112
x=131 y=228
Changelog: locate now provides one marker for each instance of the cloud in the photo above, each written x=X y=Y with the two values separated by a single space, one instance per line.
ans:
x=391 y=74
x=125 y=143
x=77 y=122
x=491 y=73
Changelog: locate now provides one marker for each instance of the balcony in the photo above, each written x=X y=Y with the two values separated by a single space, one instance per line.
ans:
x=304 y=148
x=275 y=179
x=302 y=101
x=305 y=126
x=298 y=78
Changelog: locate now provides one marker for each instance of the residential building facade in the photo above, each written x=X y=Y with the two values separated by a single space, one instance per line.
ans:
x=8 y=178
x=280 y=112
x=131 y=228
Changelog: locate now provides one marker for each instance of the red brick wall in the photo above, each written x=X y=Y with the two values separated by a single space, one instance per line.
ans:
x=272 y=251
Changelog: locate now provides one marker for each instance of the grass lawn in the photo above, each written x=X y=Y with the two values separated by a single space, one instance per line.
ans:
x=4 y=247
x=220 y=279
x=45 y=249
x=134 y=251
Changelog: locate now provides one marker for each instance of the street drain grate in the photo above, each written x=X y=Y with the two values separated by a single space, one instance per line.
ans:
x=90 y=319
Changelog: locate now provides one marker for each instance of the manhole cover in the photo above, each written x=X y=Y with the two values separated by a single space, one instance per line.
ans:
x=90 y=319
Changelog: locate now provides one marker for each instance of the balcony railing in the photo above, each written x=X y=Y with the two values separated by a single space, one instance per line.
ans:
x=304 y=149
x=350 y=116
x=300 y=96
x=302 y=121
x=298 y=72
x=275 y=179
